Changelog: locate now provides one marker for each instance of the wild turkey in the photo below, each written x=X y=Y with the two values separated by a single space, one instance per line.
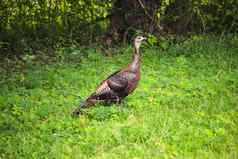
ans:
x=118 y=85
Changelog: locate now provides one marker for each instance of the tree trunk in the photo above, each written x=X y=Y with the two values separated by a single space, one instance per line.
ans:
x=130 y=16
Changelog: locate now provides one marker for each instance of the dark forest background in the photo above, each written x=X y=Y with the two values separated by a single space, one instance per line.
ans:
x=41 y=26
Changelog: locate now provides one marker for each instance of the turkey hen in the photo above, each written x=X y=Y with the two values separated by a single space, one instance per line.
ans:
x=118 y=85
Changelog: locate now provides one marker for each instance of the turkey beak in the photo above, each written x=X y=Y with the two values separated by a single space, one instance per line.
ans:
x=145 y=39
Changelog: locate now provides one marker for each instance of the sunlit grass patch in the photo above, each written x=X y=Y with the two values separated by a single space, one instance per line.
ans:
x=184 y=107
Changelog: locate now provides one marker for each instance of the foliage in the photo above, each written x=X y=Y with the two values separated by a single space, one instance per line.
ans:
x=32 y=25
x=199 y=16
x=152 y=40
x=36 y=26
x=185 y=105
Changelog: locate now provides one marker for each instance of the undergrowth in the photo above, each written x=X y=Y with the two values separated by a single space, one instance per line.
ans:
x=184 y=107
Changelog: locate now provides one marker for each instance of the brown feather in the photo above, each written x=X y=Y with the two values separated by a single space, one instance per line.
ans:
x=119 y=84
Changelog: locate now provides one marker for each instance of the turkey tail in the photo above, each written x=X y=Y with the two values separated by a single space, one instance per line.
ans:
x=84 y=104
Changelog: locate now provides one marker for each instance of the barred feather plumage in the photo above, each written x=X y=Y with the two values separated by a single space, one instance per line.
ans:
x=118 y=85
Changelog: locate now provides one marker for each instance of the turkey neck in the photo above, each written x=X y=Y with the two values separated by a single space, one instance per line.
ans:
x=135 y=62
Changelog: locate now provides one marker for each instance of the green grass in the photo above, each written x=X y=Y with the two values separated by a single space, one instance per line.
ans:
x=186 y=106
